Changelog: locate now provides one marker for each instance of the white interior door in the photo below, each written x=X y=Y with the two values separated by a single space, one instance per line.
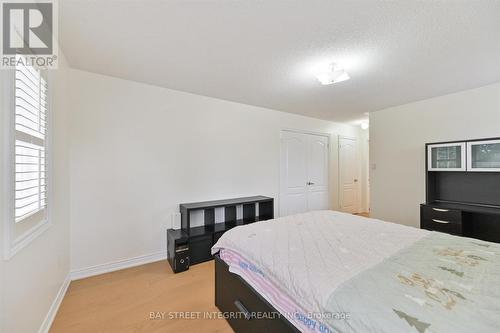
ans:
x=317 y=167
x=349 y=175
x=304 y=173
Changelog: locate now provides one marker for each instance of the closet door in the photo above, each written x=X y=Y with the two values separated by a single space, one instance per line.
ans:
x=304 y=173
x=293 y=175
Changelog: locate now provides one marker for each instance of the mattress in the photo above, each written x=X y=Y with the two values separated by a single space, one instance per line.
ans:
x=305 y=257
x=328 y=271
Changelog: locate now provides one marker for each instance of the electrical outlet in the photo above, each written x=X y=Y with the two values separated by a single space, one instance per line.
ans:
x=176 y=221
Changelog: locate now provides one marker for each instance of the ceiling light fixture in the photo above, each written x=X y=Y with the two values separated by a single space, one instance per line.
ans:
x=365 y=125
x=333 y=74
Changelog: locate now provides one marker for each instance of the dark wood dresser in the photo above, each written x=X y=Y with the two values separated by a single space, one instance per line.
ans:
x=462 y=220
x=463 y=189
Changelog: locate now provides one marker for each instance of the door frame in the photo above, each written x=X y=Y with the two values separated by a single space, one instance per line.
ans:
x=328 y=166
x=358 y=172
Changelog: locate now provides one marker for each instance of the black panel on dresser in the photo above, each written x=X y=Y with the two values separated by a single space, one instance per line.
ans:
x=483 y=226
x=467 y=187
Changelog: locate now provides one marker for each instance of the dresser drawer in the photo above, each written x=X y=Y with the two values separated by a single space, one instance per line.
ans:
x=233 y=295
x=442 y=226
x=441 y=214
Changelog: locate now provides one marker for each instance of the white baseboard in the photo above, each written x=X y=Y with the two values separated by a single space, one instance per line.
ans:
x=117 y=265
x=91 y=271
x=54 y=307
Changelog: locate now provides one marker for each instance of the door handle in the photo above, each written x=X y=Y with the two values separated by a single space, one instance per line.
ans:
x=355 y=180
x=309 y=183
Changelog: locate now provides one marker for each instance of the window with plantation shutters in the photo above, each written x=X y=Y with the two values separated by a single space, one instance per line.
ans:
x=30 y=140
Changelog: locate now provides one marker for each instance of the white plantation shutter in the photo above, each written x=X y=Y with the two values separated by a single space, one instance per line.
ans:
x=30 y=143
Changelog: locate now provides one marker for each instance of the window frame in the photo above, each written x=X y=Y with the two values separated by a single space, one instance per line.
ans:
x=18 y=235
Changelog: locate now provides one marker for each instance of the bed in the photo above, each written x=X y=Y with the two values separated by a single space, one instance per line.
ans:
x=327 y=271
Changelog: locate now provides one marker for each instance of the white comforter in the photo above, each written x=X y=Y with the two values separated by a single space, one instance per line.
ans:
x=307 y=256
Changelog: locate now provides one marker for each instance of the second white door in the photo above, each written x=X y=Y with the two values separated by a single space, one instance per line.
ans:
x=349 y=175
x=304 y=173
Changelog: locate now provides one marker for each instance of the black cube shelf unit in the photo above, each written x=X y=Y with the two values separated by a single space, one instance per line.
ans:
x=200 y=239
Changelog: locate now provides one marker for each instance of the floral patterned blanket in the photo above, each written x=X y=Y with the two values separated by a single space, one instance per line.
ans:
x=441 y=283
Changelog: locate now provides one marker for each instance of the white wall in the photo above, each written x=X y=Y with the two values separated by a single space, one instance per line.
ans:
x=31 y=279
x=2 y=205
x=137 y=151
x=398 y=136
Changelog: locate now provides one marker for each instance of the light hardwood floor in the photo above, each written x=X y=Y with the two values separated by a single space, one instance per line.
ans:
x=122 y=301
x=366 y=214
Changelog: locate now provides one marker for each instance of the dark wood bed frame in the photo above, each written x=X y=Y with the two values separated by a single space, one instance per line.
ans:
x=243 y=307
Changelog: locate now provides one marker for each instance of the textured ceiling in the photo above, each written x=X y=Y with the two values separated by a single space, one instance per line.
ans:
x=264 y=53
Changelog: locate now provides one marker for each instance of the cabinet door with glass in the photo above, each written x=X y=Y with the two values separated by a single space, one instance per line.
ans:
x=446 y=157
x=483 y=155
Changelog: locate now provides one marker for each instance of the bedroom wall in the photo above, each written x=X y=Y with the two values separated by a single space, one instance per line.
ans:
x=137 y=151
x=2 y=209
x=398 y=136
x=31 y=280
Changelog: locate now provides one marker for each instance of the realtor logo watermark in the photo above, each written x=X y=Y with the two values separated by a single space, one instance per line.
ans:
x=29 y=33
